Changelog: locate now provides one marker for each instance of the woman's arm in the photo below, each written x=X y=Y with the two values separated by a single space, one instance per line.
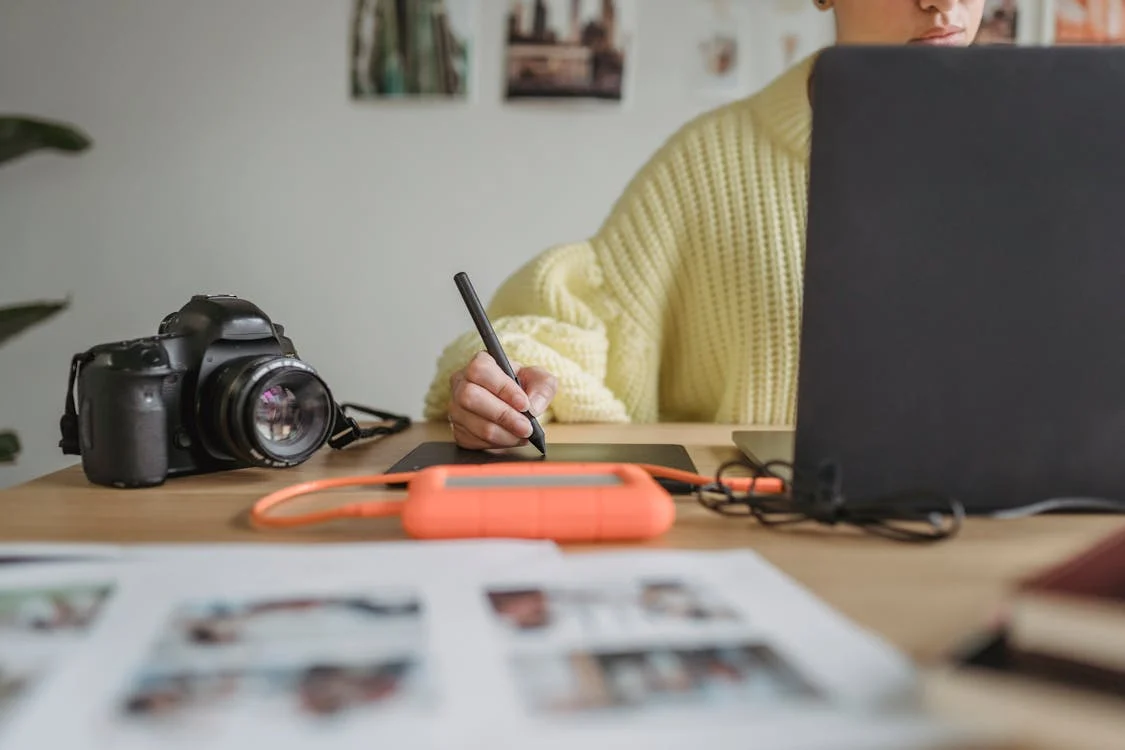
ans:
x=593 y=313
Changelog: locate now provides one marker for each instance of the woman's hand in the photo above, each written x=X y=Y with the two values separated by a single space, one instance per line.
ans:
x=486 y=406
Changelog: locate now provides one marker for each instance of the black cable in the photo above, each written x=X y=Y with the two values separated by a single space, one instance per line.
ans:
x=1059 y=504
x=346 y=430
x=898 y=517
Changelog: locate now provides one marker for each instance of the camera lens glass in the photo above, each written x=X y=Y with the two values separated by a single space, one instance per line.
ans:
x=277 y=415
x=270 y=410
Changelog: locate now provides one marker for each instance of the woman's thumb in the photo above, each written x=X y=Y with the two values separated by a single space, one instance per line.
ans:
x=539 y=385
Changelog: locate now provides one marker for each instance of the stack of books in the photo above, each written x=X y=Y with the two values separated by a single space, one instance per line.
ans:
x=1054 y=660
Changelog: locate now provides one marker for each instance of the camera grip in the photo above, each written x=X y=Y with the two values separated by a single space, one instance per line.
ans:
x=123 y=427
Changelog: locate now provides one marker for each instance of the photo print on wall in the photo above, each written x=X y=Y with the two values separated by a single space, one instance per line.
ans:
x=411 y=49
x=999 y=22
x=568 y=49
x=789 y=31
x=1089 y=21
x=718 y=47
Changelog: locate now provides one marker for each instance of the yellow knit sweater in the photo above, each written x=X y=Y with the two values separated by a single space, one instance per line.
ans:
x=685 y=305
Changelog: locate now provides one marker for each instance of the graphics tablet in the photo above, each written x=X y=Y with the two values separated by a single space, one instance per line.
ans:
x=446 y=453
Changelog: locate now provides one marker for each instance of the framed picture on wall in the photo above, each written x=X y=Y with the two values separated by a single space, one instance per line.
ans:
x=568 y=50
x=408 y=49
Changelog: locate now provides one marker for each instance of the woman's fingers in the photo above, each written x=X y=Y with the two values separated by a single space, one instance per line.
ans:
x=486 y=405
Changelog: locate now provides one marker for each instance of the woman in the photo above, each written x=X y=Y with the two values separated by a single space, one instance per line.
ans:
x=685 y=306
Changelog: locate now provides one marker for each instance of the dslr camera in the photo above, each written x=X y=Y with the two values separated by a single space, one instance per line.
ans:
x=219 y=387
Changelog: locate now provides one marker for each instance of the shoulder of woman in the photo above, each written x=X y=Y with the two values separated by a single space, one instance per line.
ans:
x=778 y=114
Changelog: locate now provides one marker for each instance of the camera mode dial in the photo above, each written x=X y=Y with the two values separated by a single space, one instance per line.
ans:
x=140 y=355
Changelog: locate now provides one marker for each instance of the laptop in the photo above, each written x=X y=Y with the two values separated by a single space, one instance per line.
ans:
x=963 y=327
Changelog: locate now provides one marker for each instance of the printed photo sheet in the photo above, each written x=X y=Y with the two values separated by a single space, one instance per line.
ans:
x=47 y=616
x=461 y=647
x=677 y=649
x=12 y=553
x=20 y=553
x=298 y=646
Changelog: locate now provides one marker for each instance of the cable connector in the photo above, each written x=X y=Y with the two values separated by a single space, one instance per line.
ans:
x=828 y=502
x=820 y=498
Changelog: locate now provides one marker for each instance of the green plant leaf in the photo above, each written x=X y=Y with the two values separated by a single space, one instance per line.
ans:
x=22 y=135
x=16 y=318
x=9 y=446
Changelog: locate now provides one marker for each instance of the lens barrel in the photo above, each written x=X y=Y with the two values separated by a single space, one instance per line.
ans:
x=271 y=411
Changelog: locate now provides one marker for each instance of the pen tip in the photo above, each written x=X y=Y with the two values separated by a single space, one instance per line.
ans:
x=537 y=438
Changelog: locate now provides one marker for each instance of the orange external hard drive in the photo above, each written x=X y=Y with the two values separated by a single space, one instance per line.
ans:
x=561 y=501
x=567 y=502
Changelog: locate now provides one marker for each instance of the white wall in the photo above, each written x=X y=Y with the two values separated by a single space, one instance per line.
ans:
x=228 y=157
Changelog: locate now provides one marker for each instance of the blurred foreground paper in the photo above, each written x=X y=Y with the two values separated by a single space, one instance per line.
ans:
x=195 y=645
x=687 y=649
x=459 y=646
x=12 y=553
x=46 y=615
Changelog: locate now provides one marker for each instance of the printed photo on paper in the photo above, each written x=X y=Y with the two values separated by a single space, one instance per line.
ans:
x=656 y=678
x=39 y=626
x=297 y=662
x=592 y=610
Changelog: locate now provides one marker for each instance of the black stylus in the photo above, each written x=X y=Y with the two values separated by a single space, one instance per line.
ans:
x=492 y=344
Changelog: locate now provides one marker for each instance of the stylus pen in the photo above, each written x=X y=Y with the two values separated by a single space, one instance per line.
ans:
x=492 y=344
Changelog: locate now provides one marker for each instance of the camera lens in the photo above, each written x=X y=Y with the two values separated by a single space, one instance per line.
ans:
x=270 y=411
x=277 y=415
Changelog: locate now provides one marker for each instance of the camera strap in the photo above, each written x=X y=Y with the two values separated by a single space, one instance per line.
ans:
x=346 y=430
x=68 y=424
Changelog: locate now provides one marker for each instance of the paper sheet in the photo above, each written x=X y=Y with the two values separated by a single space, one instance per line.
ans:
x=675 y=649
x=13 y=553
x=462 y=645
x=213 y=646
x=434 y=551
x=47 y=615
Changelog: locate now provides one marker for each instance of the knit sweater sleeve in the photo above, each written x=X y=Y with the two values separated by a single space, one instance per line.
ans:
x=593 y=312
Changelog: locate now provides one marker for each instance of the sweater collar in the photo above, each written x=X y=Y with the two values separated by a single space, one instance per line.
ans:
x=783 y=107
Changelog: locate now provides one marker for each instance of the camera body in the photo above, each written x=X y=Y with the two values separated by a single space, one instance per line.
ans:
x=219 y=387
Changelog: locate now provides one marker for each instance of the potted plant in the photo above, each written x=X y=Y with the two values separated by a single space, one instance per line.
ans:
x=20 y=136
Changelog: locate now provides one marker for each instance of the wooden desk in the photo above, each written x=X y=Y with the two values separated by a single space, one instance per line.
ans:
x=925 y=599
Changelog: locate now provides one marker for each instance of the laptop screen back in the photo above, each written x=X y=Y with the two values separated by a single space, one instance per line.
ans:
x=964 y=300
